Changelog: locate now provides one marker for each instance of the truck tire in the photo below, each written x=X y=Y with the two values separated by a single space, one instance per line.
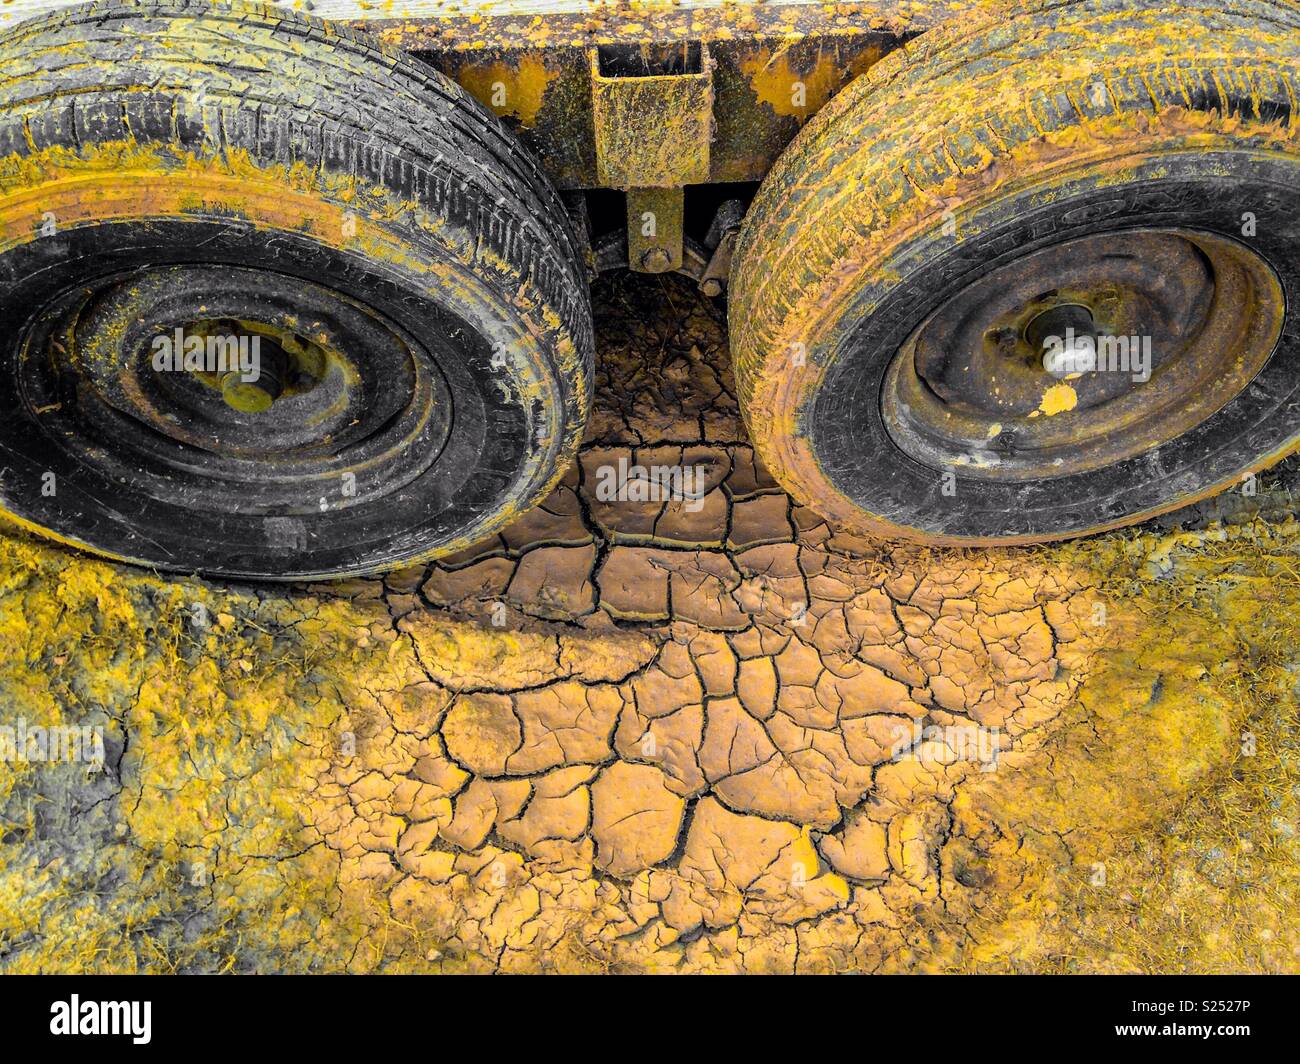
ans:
x=908 y=277
x=276 y=187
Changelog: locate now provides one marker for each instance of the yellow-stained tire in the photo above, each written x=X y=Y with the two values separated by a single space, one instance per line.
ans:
x=275 y=301
x=1116 y=181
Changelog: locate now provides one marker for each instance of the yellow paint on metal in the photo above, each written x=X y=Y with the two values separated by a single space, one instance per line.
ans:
x=515 y=89
x=798 y=93
x=1057 y=399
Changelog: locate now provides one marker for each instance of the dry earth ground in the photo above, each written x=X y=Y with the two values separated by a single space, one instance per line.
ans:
x=668 y=736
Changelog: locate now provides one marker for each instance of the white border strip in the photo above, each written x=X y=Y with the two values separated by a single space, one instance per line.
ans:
x=14 y=11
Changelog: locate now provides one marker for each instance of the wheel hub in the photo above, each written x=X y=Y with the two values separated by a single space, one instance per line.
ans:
x=265 y=390
x=1082 y=354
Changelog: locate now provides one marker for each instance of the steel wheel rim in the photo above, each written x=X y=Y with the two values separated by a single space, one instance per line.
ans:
x=358 y=395
x=969 y=390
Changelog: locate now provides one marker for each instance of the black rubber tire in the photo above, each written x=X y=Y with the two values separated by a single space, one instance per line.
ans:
x=149 y=153
x=974 y=145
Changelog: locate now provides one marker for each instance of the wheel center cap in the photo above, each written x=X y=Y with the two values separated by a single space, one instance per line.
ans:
x=252 y=394
x=1067 y=337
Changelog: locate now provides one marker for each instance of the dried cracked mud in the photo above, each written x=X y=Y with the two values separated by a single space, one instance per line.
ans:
x=704 y=734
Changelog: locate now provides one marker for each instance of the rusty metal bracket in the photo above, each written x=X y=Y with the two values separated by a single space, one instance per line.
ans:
x=773 y=63
x=655 y=229
x=652 y=111
x=653 y=114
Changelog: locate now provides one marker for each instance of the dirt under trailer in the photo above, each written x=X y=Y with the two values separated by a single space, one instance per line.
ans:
x=301 y=293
